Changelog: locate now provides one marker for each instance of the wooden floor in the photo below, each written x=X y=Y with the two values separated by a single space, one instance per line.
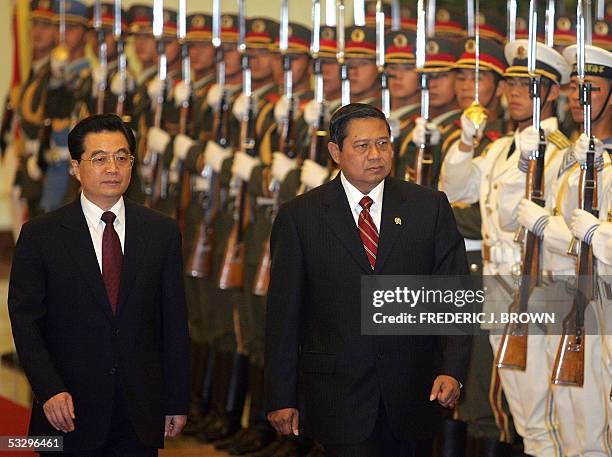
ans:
x=14 y=385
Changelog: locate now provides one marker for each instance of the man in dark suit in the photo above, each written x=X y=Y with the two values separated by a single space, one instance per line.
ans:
x=358 y=395
x=98 y=309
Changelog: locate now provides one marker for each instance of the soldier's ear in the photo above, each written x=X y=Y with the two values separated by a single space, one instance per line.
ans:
x=501 y=88
x=554 y=92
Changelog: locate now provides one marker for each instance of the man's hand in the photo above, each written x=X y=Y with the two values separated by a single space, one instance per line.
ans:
x=285 y=421
x=174 y=425
x=59 y=411
x=446 y=390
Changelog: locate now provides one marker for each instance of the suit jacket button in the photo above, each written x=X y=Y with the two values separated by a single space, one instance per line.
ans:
x=116 y=332
x=112 y=371
x=380 y=356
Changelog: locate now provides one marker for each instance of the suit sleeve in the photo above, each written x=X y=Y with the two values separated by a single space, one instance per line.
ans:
x=285 y=300
x=451 y=260
x=27 y=309
x=175 y=333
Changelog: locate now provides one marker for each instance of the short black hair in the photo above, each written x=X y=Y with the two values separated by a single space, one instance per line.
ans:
x=341 y=118
x=96 y=124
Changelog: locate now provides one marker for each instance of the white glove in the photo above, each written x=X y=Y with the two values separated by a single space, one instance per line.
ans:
x=582 y=146
x=214 y=155
x=181 y=146
x=469 y=132
x=583 y=225
x=243 y=165
x=31 y=147
x=214 y=96
x=313 y=174
x=155 y=88
x=182 y=92
x=98 y=76
x=34 y=171
x=281 y=109
x=118 y=86
x=532 y=216
x=281 y=165
x=422 y=127
x=528 y=141
x=157 y=139
x=240 y=108
x=58 y=68
x=312 y=110
x=394 y=125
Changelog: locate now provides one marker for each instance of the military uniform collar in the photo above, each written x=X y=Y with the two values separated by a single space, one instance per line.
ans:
x=147 y=74
x=203 y=81
x=263 y=90
x=398 y=113
x=38 y=64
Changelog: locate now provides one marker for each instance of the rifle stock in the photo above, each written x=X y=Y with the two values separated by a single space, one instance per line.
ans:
x=262 y=276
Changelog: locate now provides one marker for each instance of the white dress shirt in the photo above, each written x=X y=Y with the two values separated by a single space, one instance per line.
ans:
x=354 y=196
x=96 y=225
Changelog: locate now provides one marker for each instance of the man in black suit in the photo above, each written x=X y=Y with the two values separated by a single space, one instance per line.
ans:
x=358 y=395
x=98 y=309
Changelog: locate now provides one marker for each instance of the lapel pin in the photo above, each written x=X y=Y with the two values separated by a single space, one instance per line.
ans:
x=398 y=221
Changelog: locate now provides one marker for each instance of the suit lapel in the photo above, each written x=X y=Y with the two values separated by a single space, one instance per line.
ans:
x=78 y=243
x=132 y=255
x=342 y=223
x=389 y=228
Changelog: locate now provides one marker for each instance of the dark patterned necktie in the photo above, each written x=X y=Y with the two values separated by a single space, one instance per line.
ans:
x=368 y=231
x=112 y=259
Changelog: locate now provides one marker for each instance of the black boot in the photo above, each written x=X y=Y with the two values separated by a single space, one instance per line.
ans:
x=260 y=433
x=229 y=422
x=197 y=366
x=220 y=385
x=454 y=435
x=490 y=447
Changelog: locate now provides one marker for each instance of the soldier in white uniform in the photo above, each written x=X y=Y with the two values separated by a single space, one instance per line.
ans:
x=581 y=413
x=497 y=180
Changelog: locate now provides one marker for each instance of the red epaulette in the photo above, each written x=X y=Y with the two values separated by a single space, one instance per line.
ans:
x=272 y=97
x=414 y=117
x=493 y=135
x=457 y=122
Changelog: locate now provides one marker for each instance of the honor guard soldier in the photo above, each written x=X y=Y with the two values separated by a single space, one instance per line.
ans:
x=497 y=180
x=443 y=111
x=69 y=90
x=484 y=408
x=360 y=53
x=30 y=106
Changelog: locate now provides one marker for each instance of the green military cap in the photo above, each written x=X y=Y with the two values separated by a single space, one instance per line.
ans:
x=42 y=10
x=328 y=46
x=229 y=28
x=76 y=12
x=360 y=42
x=450 y=21
x=601 y=33
x=440 y=55
x=299 y=39
x=141 y=19
x=399 y=46
x=565 y=30
x=199 y=27
x=491 y=55
x=261 y=32
x=492 y=25
x=107 y=16
x=549 y=63
x=408 y=17
x=370 y=13
x=522 y=24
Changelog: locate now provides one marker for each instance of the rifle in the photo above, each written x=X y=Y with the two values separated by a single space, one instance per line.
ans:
x=122 y=59
x=512 y=352
x=286 y=146
x=153 y=159
x=7 y=122
x=102 y=53
x=199 y=264
x=569 y=361
x=340 y=54
x=231 y=275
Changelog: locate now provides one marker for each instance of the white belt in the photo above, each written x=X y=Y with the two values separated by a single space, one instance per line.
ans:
x=472 y=245
x=57 y=154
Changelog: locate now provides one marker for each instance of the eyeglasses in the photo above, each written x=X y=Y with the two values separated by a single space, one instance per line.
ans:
x=122 y=160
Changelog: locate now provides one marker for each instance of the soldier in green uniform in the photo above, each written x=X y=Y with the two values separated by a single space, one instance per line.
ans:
x=484 y=409
x=30 y=105
x=360 y=52
x=69 y=89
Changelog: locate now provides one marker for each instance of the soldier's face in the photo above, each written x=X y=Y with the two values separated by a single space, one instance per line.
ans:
x=44 y=36
x=173 y=50
x=103 y=185
x=300 y=68
x=465 y=87
x=261 y=62
x=362 y=74
x=75 y=36
x=231 y=57
x=201 y=56
x=365 y=158
x=277 y=69
x=441 y=88
x=599 y=96
x=330 y=69
x=145 y=48
x=520 y=104
x=111 y=44
x=403 y=80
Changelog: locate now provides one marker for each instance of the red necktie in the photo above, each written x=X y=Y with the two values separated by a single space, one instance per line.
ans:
x=368 y=231
x=112 y=259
